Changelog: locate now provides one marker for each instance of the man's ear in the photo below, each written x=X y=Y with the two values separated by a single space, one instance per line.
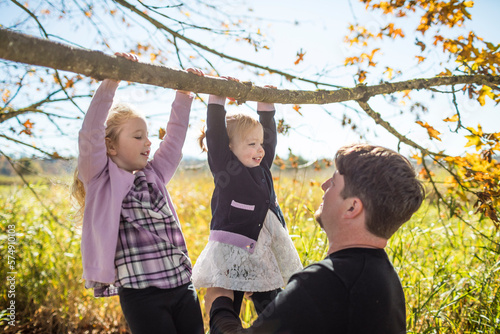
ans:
x=354 y=208
x=110 y=147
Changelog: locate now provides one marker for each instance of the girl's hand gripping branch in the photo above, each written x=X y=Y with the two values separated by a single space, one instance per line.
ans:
x=196 y=71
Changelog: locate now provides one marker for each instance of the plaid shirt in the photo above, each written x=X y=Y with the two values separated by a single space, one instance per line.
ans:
x=151 y=250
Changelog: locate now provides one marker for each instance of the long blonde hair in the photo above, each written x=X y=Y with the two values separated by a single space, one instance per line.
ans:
x=237 y=125
x=119 y=114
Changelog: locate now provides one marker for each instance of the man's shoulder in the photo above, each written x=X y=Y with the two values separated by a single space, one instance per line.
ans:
x=344 y=263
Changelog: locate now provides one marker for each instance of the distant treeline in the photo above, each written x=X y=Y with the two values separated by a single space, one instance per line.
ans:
x=60 y=167
x=36 y=166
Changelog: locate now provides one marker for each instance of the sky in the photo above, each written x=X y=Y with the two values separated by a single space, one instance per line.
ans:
x=318 y=28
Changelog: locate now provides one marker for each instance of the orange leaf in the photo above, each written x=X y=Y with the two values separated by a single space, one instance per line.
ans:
x=300 y=57
x=28 y=124
x=420 y=59
x=161 y=133
x=5 y=95
x=296 y=107
x=433 y=133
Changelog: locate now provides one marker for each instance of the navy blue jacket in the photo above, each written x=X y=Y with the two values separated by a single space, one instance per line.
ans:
x=242 y=195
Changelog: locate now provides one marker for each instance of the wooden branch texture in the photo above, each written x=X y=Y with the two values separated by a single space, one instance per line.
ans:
x=27 y=49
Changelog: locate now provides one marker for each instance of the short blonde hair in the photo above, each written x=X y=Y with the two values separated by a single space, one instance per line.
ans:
x=237 y=126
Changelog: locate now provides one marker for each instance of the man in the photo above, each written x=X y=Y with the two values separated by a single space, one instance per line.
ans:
x=355 y=289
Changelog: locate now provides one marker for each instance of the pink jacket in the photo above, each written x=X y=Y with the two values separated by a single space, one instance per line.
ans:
x=106 y=184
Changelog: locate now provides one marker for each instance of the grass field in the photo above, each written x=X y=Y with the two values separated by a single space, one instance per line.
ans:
x=449 y=268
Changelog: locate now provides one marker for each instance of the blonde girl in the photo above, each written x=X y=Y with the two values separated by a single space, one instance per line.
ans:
x=132 y=243
x=249 y=249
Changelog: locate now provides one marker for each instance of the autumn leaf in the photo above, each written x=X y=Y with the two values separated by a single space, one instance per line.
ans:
x=485 y=91
x=5 y=95
x=421 y=44
x=433 y=133
x=161 y=133
x=296 y=107
x=362 y=75
x=390 y=72
x=420 y=59
x=453 y=118
x=417 y=158
x=69 y=83
x=300 y=57
x=474 y=140
x=28 y=127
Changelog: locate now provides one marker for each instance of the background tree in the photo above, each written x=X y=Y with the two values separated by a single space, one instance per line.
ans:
x=196 y=33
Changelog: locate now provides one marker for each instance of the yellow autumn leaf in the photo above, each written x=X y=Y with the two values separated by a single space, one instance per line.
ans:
x=474 y=140
x=390 y=72
x=485 y=91
x=479 y=132
x=417 y=158
x=453 y=118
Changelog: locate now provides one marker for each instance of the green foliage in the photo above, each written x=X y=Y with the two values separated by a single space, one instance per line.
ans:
x=449 y=267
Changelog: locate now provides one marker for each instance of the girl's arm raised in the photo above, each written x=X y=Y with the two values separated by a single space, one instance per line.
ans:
x=167 y=158
x=266 y=113
x=92 y=156
x=216 y=134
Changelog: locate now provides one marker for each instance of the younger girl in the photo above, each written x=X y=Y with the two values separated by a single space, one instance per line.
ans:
x=132 y=243
x=249 y=249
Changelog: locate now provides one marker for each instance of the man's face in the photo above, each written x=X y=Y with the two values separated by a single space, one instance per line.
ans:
x=333 y=203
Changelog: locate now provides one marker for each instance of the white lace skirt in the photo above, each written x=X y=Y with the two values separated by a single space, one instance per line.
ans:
x=270 y=266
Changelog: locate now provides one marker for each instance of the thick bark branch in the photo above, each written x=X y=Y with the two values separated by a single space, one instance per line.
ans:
x=26 y=49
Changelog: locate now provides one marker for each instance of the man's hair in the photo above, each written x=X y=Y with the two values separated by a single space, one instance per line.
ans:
x=384 y=181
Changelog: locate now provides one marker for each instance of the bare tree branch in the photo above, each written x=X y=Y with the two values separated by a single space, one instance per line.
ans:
x=161 y=26
x=376 y=117
x=50 y=155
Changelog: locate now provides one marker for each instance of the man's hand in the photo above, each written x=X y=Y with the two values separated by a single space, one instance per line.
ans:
x=214 y=293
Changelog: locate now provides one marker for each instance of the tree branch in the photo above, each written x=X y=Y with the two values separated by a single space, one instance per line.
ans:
x=376 y=117
x=161 y=26
x=31 y=50
x=51 y=155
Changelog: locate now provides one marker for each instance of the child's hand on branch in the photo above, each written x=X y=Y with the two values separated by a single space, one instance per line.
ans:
x=128 y=56
x=232 y=79
x=264 y=106
x=193 y=70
